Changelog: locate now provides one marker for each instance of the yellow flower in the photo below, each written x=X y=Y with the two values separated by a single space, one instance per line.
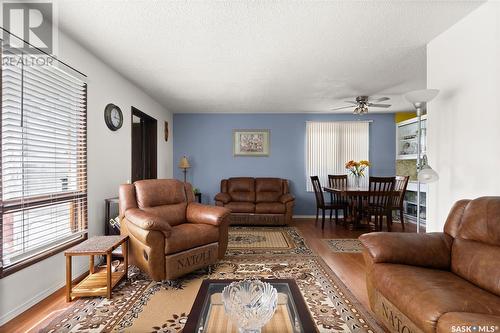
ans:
x=365 y=163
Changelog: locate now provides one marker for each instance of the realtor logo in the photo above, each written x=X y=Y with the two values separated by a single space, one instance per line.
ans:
x=31 y=22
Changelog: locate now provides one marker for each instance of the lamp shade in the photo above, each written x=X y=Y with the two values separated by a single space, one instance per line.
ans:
x=427 y=175
x=184 y=163
x=421 y=96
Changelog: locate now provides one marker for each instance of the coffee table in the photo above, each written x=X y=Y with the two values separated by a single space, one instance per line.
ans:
x=207 y=314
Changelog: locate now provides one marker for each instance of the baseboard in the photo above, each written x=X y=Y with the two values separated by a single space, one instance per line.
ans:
x=36 y=299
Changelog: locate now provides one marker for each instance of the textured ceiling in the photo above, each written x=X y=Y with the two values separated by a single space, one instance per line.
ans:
x=263 y=56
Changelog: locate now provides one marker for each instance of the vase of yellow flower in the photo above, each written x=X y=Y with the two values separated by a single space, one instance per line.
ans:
x=357 y=170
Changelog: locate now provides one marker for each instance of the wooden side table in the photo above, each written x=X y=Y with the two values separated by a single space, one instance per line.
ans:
x=99 y=282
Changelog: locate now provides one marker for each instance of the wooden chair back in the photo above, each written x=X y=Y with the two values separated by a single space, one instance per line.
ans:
x=381 y=191
x=337 y=181
x=318 y=191
x=400 y=187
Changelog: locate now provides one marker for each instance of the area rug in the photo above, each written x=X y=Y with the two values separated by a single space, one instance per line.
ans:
x=266 y=240
x=346 y=245
x=142 y=305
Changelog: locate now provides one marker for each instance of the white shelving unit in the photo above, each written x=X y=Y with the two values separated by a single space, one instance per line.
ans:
x=406 y=149
x=407 y=138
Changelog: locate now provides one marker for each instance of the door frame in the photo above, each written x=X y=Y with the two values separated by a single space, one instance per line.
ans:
x=151 y=125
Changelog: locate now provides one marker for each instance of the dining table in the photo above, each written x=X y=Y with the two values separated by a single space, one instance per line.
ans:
x=357 y=194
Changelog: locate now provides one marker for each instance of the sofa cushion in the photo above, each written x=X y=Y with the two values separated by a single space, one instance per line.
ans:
x=190 y=235
x=477 y=262
x=480 y=221
x=476 y=249
x=157 y=192
x=450 y=321
x=270 y=208
x=268 y=185
x=241 y=184
x=173 y=214
x=241 y=207
x=268 y=189
x=424 y=295
x=241 y=189
x=242 y=196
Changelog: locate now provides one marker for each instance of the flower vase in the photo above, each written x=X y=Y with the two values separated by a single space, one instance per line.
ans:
x=357 y=181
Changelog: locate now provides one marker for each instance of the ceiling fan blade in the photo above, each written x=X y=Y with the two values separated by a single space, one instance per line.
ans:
x=342 y=107
x=379 y=99
x=379 y=105
x=352 y=102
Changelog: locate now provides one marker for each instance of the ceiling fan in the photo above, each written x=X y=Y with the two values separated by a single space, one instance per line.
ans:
x=363 y=102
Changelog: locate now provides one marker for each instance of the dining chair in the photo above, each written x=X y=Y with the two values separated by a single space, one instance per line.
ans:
x=320 y=201
x=400 y=188
x=339 y=201
x=380 y=199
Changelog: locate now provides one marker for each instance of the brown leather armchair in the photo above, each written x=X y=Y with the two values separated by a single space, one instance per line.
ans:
x=170 y=235
x=261 y=201
x=439 y=282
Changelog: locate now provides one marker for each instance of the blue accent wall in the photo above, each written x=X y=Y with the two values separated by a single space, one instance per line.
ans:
x=207 y=140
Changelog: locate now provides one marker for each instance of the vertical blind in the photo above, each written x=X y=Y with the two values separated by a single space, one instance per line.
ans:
x=43 y=158
x=331 y=144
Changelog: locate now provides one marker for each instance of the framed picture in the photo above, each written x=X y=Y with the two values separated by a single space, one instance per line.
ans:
x=251 y=142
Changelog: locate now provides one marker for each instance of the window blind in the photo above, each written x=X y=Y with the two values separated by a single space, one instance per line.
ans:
x=43 y=158
x=331 y=144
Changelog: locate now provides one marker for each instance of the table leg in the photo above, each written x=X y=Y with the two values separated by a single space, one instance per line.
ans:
x=125 y=257
x=68 y=279
x=108 y=275
x=360 y=210
x=91 y=264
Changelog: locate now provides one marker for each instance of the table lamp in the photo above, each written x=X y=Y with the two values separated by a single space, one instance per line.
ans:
x=184 y=165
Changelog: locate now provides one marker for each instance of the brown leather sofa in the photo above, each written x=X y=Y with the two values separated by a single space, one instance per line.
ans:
x=439 y=282
x=257 y=201
x=170 y=234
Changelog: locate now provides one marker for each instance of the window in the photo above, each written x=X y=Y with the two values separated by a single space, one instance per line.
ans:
x=331 y=144
x=43 y=203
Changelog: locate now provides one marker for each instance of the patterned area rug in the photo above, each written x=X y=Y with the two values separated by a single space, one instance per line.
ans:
x=346 y=245
x=142 y=305
x=266 y=240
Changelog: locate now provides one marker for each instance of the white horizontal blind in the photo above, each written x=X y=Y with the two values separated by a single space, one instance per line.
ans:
x=331 y=144
x=43 y=158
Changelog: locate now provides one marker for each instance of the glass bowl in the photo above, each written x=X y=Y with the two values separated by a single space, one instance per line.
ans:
x=250 y=304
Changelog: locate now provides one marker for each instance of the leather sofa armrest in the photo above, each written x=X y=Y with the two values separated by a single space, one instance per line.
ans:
x=286 y=198
x=223 y=197
x=431 y=250
x=148 y=221
x=451 y=320
x=213 y=215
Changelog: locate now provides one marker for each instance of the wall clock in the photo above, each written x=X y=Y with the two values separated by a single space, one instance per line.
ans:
x=113 y=117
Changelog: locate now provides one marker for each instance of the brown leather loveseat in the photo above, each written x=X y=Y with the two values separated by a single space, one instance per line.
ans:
x=170 y=234
x=261 y=201
x=439 y=282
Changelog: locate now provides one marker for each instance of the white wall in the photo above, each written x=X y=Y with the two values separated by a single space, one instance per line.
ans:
x=464 y=120
x=109 y=164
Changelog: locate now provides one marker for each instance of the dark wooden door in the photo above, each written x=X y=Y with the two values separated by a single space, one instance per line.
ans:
x=144 y=146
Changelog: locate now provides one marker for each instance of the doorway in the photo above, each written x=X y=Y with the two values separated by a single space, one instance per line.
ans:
x=144 y=146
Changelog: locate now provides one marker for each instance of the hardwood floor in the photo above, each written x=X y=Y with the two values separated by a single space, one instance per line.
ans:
x=348 y=266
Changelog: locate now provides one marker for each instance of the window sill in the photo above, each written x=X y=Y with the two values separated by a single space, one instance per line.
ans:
x=6 y=271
